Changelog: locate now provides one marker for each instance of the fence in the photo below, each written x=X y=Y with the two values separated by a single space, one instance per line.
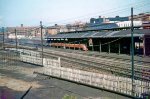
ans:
x=34 y=58
x=31 y=59
x=26 y=52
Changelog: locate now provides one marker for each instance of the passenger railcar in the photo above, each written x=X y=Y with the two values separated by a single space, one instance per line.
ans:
x=66 y=45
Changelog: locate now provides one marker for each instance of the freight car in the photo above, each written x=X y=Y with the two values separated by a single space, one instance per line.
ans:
x=66 y=45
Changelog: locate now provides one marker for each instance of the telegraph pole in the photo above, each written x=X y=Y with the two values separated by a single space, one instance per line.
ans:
x=100 y=47
x=41 y=40
x=119 y=49
x=132 y=51
x=3 y=38
x=16 y=39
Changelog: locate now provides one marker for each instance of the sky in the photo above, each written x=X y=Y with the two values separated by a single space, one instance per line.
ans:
x=50 y=12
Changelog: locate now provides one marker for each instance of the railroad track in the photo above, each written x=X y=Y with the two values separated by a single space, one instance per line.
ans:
x=100 y=60
x=113 y=65
x=103 y=66
x=96 y=54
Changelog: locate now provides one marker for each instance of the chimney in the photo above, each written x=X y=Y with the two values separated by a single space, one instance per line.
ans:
x=21 y=25
x=104 y=20
x=117 y=16
x=100 y=17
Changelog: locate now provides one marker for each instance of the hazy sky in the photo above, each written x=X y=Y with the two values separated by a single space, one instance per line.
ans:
x=30 y=12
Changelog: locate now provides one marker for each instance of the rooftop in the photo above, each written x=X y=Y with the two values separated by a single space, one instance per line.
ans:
x=103 y=34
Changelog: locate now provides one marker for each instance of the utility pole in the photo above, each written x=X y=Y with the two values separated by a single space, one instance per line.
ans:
x=16 y=39
x=100 y=47
x=3 y=38
x=132 y=51
x=109 y=48
x=119 y=49
x=41 y=40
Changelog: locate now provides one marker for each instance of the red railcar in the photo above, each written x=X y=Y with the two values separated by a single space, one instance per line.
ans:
x=65 y=45
x=146 y=25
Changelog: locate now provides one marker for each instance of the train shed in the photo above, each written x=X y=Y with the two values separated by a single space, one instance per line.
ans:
x=103 y=41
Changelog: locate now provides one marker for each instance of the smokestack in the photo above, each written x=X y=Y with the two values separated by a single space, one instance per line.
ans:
x=21 y=25
x=104 y=20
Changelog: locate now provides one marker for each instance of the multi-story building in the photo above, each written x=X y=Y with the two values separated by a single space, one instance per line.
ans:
x=25 y=31
x=141 y=17
x=107 y=20
x=128 y=23
x=52 y=30
x=77 y=26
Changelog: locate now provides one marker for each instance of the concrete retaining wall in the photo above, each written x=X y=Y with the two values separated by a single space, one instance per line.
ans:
x=110 y=82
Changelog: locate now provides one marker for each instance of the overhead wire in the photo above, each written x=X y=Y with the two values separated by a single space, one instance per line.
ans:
x=92 y=26
x=88 y=14
x=143 y=4
x=107 y=12
x=143 y=16
x=122 y=10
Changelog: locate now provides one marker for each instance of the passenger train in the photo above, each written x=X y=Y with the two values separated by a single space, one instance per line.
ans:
x=65 y=45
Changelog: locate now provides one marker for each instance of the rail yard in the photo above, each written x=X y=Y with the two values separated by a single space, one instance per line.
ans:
x=15 y=73
x=79 y=49
x=92 y=62
x=113 y=65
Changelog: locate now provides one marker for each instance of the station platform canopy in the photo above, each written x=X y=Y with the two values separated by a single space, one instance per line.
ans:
x=102 y=34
